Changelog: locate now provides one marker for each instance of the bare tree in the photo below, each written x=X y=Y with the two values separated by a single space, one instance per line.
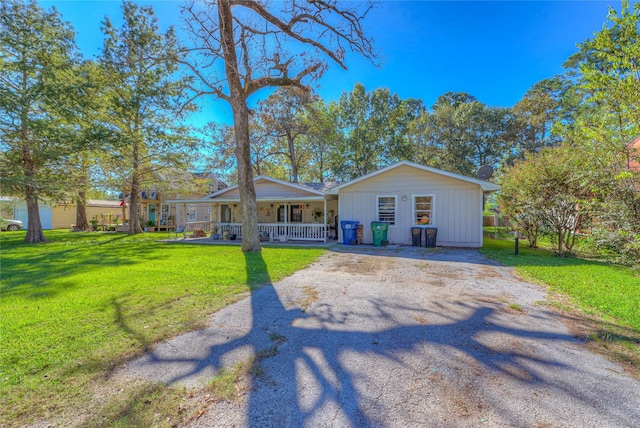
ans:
x=266 y=44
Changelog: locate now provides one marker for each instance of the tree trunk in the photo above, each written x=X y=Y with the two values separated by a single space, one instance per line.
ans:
x=81 y=211
x=238 y=99
x=248 y=205
x=134 y=221
x=321 y=166
x=292 y=157
x=34 y=228
x=560 y=242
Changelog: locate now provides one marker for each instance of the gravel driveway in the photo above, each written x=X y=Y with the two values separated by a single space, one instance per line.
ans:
x=399 y=338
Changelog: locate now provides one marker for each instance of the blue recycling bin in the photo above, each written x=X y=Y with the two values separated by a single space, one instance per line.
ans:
x=349 y=231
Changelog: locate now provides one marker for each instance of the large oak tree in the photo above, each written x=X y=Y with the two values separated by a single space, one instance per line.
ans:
x=242 y=46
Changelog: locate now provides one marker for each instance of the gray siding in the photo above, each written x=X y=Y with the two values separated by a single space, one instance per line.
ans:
x=457 y=205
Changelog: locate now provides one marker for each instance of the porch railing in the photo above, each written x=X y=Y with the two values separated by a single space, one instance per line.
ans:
x=233 y=228
x=206 y=226
x=294 y=232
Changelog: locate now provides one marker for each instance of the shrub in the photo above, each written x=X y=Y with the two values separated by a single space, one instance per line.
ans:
x=198 y=233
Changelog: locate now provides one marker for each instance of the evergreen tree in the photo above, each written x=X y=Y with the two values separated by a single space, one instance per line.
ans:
x=38 y=95
x=144 y=103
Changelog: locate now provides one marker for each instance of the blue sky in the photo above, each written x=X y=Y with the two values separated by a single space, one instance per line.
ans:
x=492 y=50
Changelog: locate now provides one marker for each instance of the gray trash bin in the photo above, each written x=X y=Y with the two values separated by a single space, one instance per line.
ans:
x=416 y=236
x=431 y=234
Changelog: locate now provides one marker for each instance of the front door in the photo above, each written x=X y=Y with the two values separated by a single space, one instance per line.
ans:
x=225 y=214
x=152 y=212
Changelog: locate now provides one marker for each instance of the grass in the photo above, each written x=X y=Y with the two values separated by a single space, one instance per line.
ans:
x=500 y=232
x=608 y=294
x=516 y=307
x=231 y=383
x=83 y=303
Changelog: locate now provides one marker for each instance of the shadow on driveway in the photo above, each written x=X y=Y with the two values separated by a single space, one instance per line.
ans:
x=366 y=355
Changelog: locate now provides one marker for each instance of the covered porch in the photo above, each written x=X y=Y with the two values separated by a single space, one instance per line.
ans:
x=286 y=212
x=284 y=220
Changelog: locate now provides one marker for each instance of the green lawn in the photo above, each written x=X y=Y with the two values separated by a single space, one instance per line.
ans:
x=596 y=286
x=604 y=297
x=82 y=303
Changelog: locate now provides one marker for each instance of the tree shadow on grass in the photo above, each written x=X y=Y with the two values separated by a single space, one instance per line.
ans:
x=22 y=273
x=312 y=365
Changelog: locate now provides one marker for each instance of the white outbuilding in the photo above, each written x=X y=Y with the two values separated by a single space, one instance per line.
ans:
x=407 y=194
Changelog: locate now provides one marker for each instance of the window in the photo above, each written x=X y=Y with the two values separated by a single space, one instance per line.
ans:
x=423 y=209
x=192 y=213
x=296 y=214
x=225 y=214
x=387 y=209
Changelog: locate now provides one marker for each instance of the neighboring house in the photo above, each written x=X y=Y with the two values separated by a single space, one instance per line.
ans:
x=64 y=216
x=152 y=206
x=6 y=206
x=404 y=195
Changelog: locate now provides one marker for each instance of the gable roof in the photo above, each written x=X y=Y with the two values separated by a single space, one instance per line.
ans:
x=207 y=175
x=323 y=187
x=486 y=186
x=262 y=178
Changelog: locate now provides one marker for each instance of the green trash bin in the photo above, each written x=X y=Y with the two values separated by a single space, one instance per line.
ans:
x=379 y=229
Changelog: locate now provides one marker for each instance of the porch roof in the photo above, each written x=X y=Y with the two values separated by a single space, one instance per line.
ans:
x=263 y=181
x=268 y=189
x=206 y=200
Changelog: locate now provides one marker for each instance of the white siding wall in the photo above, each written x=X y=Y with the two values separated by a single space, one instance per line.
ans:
x=457 y=206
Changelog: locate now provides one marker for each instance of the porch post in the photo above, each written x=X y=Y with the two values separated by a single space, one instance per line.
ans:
x=324 y=221
x=286 y=219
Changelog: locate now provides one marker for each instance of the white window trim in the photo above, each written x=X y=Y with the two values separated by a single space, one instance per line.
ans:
x=433 y=209
x=395 y=208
